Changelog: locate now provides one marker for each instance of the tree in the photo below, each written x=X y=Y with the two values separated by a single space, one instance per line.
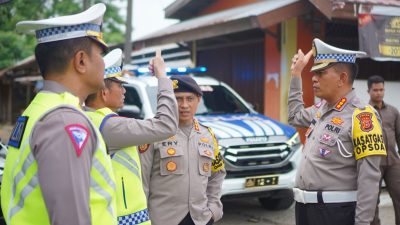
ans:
x=15 y=47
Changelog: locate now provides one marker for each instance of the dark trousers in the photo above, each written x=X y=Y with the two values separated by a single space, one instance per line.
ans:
x=325 y=213
x=188 y=221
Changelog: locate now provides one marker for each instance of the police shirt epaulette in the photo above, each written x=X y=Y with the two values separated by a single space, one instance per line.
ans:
x=358 y=103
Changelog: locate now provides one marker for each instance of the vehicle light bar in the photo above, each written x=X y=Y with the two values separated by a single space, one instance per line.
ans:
x=171 y=71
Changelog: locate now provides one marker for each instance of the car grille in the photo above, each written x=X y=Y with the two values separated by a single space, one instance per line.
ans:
x=251 y=173
x=266 y=155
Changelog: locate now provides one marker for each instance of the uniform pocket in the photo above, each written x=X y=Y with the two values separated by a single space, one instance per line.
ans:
x=205 y=160
x=328 y=138
x=171 y=161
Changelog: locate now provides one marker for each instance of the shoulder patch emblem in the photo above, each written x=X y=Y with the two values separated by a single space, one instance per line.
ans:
x=337 y=120
x=367 y=134
x=143 y=148
x=79 y=136
x=365 y=119
x=18 y=132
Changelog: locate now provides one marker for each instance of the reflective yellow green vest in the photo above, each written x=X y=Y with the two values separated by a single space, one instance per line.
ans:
x=21 y=197
x=131 y=199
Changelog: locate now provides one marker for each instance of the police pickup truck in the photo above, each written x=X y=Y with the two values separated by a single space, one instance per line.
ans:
x=260 y=154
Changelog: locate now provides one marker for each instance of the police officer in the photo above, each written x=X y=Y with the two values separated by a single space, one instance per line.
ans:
x=131 y=199
x=338 y=177
x=390 y=166
x=183 y=174
x=57 y=170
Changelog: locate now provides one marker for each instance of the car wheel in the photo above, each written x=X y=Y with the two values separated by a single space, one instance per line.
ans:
x=281 y=201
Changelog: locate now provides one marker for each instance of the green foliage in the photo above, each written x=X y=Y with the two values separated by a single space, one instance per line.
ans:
x=15 y=47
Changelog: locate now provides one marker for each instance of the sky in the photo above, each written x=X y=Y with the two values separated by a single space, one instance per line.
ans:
x=148 y=16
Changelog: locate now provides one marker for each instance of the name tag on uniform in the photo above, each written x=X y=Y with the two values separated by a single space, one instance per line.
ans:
x=18 y=132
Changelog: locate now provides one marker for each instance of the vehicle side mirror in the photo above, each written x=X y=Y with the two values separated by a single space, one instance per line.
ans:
x=130 y=111
x=251 y=105
x=255 y=107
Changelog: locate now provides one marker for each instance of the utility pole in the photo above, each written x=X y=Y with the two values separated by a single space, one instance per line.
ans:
x=128 y=33
x=86 y=4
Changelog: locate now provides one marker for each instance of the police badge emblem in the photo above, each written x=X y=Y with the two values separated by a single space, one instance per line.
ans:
x=143 y=148
x=365 y=119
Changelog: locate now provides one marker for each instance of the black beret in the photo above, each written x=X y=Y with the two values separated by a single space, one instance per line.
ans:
x=185 y=83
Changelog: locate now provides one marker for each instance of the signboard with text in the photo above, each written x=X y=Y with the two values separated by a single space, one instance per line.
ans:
x=379 y=36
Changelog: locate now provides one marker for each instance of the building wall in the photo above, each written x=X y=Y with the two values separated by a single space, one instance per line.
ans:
x=288 y=49
x=14 y=98
x=272 y=73
x=305 y=35
x=242 y=67
x=4 y=101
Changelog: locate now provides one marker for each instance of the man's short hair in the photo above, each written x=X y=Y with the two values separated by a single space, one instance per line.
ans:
x=53 y=57
x=375 y=79
x=90 y=98
x=350 y=68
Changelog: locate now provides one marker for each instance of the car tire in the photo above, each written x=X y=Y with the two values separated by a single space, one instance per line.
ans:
x=281 y=201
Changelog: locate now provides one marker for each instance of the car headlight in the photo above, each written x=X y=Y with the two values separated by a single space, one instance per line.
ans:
x=294 y=140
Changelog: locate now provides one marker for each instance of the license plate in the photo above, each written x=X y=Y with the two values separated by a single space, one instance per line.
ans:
x=261 y=181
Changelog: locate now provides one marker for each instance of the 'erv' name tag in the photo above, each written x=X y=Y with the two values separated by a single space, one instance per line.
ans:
x=18 y=132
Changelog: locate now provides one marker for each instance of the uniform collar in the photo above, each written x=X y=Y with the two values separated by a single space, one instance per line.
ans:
x=53 y=86
x=57 y=88
x=88 y=109
x=376 y=106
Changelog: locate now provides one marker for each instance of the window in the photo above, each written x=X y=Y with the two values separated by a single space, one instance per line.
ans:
x=132 y=97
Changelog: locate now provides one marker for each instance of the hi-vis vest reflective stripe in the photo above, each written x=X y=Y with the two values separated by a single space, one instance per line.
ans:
x=131 y=199
x=21 y=198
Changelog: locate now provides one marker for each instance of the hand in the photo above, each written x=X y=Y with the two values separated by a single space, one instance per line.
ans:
x=299 y=61
x=157 y=65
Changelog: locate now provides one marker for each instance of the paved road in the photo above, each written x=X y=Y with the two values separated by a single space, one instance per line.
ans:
x=249 y=212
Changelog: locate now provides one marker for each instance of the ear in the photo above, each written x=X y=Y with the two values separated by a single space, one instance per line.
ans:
x=343 y=79
x=80 y=61
x=104 y=94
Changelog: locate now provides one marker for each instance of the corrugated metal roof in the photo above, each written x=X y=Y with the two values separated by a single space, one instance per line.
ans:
x=185 y=9
x=241 y=18
x=223 y=17
x=25 y=63
x=373 y=2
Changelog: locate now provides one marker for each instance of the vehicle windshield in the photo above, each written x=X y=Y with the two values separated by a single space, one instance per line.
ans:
x=216 y=100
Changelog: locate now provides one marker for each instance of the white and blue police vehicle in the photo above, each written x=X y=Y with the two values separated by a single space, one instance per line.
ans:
x=260 y=154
